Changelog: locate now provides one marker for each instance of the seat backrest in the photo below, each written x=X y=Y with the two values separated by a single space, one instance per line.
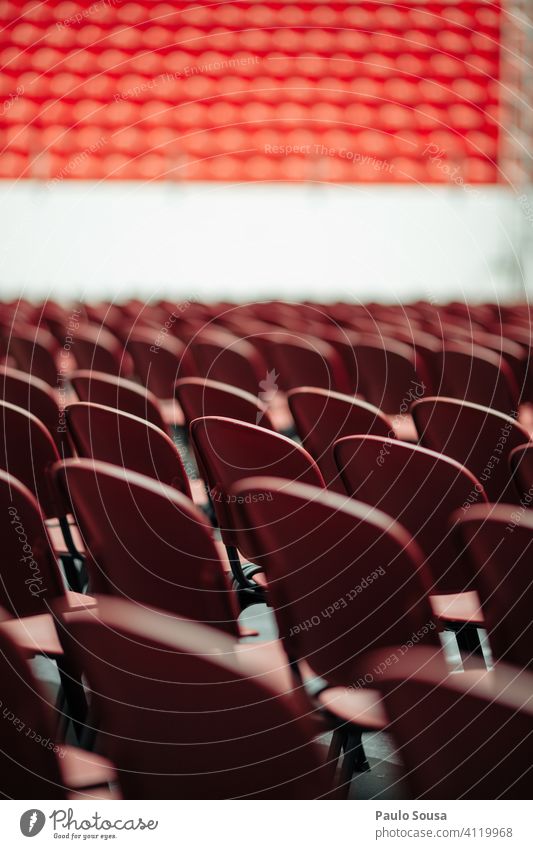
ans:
x=472 y=373
x=29 y=756
x=343 y=577
x=117 y=392
x=387 y=376
x=499 y=543
x=420 y=489
x=107 y=434
x=466 y=736
x=159 y=360
x=37 y=397
x=97 y=348
x=303 y=360
x=521 y=464
x=180 y=716
x=147 y=542
x=228 y=450
x=222 y=357
x=477 y=437
x=200 y=397
x=29 y=574
x=33 y=351
x=323 y=417
x=27 y=451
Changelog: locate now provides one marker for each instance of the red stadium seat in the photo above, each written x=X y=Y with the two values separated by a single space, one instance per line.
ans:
x=228 y=450
x=112 y=436
x=35 y=396
x=100 y=388
x=498 y=540
x=323 y=417
x=208 y=705
x=460 y=736
x=29 y=768
x=477 y=437
x=147 y=542
x=199 y=397
x=472 y=373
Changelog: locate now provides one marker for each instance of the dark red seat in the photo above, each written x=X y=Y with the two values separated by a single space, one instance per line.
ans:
x=161 y=687
x=198 y=397
x=479 y=375
x=521 y=463
x=421 y=490
x=387 y=376
x=35 y=396
x=499 y=543
x=159 y=360
x=34 y=352
x=221 y=356
x=477 y=437
x=228 y=450
x=323 y=417
x=34 y=762
x=147 y=542
x=344 y=578
x=100 y=388
x=97 y=348
x=466 y=736
x=112 y=436
x=303 y=360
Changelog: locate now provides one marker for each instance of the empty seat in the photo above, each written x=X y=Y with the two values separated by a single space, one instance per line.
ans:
x=200 y=397
x=499 y=542
x=34 y=762
x=467 y=736
x=323 y=417
x=147 y=542
x=110 y=435
x=421 y=490
x=163 y=686
x=117 y=392
x=477 y=437
x=35 y=396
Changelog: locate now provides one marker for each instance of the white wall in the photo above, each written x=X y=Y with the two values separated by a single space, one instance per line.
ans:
x=241 y=241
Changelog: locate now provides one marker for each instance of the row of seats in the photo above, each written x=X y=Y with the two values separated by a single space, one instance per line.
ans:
x=72 y=66
x=194 y=497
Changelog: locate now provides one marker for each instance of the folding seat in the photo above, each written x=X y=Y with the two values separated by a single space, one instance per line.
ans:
x=344 y=579
x=521 y=463
x=477 y=437
x=34 y=763
x=198 y=397
x=95 y=347
x=303 y=360
x=35 y=396
x=499 y=542
x=323 y=417
x=466 y=736
x=386 y=374
x=420 y=489
x=34 y=352
x=112 y=436
x=159 y=360
x=125 y=395
x=238 y=734
x=27 y=451
x=476 y=374
x=228 y=450
x=220 y=356
x=514 y=355
x=147 y=542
